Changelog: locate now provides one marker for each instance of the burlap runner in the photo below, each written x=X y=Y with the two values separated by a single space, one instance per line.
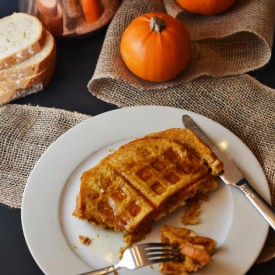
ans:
x=224 y=46
x=234 y=42
x=25 y=133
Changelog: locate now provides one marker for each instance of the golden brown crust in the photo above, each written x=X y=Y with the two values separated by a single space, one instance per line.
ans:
x=194 y=145
x=157 y=168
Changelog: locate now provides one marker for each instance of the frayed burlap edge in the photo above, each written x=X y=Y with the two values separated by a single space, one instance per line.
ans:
x=25 y=133
x=232 y=48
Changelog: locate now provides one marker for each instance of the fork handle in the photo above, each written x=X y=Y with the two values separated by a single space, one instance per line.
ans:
x=102 y=271
x=266 y=210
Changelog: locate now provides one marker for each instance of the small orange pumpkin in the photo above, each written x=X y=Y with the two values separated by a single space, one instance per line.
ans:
x=206 y=7
x=155 y=47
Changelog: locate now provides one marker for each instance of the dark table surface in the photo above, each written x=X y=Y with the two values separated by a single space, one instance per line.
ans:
x=68 y=90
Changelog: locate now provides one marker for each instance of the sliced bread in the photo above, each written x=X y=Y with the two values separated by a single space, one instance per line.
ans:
x=33 y=65
x=21 y=36
x=24 y=81
x=11 y=90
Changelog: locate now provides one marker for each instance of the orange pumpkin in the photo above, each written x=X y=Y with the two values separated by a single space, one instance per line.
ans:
x=155 y=47
x=206 y=7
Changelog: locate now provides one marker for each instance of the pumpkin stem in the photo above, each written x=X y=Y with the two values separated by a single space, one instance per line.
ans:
x=157 y=24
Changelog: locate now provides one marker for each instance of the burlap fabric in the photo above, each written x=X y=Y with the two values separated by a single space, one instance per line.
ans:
x=224 y=47
x=235 y=42
x=238 y=102
x=25 y=133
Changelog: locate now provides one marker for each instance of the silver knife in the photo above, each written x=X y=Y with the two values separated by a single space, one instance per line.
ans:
x=232 y=174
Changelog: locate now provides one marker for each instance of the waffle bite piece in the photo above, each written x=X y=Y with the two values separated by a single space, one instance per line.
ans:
x=196 y=250
x=144 y=180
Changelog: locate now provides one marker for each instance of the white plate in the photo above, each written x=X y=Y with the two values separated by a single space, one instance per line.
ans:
x=52 y=232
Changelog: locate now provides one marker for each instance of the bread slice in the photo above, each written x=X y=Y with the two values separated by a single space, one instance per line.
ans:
x=144 y=180
x=25 y=86
x=34 y=64
x=25 y=82
x=21 y=36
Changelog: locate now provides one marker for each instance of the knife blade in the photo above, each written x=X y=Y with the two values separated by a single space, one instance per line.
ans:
x=232 y=175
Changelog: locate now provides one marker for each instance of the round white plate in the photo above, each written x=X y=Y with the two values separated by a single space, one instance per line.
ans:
x=52 y=233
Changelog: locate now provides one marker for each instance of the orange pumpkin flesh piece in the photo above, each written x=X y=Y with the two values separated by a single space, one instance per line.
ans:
x=155 y=47
x=206 y=7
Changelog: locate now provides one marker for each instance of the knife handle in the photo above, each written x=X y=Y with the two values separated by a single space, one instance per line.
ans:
x=266 y=210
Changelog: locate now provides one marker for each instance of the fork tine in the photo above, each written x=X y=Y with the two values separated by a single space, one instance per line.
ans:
x=153 y=250
x=164 y=254
x=158 y=246
x=163 y=260
x=161 y=252
x=155 y=244
x=151 y=253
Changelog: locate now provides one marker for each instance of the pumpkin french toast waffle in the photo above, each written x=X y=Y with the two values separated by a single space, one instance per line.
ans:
x=145 y=180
